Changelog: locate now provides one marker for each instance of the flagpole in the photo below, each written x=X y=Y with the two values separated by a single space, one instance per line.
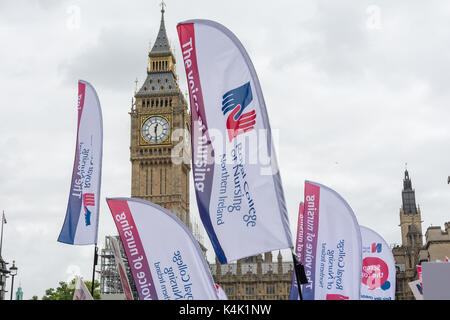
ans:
x=1 y=239
x=93 y=270
x=299 y=274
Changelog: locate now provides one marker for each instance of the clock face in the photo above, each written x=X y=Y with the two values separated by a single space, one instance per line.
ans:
x=155 y=129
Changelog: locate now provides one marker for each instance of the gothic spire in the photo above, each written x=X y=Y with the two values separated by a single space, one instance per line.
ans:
x=161 y=45
x=407 y=185
x=408 y=196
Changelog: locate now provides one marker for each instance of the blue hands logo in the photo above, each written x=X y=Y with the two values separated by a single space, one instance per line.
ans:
x=240 y=96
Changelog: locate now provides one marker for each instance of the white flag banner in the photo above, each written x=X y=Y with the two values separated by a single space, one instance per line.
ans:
x=220 y=293
x=121 y=269
x=164 y=257
x=81 y=291
x=331 y=246
x=238 y=186
x=417 y=289
x=81 y=222
x=378 y=267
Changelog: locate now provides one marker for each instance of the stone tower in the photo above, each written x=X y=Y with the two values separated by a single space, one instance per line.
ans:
x=406 y=256
x=160 y=122
x=410 y=217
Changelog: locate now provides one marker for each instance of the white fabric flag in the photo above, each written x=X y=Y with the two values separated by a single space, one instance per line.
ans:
x=121 y=269
x=236 y=178
x=378 y=267
x=417 y=289
x=165 y=259
x=332 y=246
x=81 y=291
x=220 y=293
x=81 y=222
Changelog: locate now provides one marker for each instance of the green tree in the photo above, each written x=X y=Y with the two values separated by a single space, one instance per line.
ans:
x=65 y=291
x=35 y=298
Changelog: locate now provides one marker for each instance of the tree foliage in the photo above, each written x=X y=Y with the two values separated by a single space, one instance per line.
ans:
x=65 y=291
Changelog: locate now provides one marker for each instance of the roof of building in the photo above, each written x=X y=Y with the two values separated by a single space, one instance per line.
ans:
x=408 y=196
x=161 y=45
x=158 y=83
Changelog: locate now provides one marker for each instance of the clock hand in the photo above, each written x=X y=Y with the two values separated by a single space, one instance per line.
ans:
x=156 y=126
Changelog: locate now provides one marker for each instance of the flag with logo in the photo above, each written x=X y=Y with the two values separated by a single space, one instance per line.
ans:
x=417 y=289
x=331 y=246
x=121 y=268
x=164 y=257
x=81 y=291
x=81 y=222
x=236 y=179
x=378 y=267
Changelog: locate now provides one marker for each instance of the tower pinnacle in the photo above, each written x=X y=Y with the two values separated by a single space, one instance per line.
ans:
x=161 y=44
x=408 y=196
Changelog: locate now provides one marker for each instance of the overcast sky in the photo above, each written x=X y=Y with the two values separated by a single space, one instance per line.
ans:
x=354 y=89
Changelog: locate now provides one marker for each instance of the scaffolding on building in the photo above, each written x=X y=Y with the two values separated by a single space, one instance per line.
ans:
x=110 y=283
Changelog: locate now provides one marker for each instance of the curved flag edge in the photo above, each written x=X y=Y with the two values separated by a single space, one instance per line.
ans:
x=345 y=203
x=101 y=154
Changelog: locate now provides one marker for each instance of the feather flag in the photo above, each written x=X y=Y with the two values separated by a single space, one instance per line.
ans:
x=378 y=267
x=81 y=291
x=165 y=259
x=81 y=222
x=239 y=196
x=121 y=268
x=332 y=246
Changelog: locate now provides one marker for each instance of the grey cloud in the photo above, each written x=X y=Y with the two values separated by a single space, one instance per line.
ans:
x=114 y=62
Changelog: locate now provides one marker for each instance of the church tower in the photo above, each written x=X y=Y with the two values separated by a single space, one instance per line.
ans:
x=410 y=217
x=159 y=152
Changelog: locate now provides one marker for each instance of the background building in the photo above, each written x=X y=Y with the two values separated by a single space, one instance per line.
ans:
x=437 y=246
x=255 y=278
x=406 y=255
x=3 y=276
x=412 y=251
x=19 y=293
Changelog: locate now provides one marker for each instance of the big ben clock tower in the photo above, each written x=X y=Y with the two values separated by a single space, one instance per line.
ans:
x=159 y=123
